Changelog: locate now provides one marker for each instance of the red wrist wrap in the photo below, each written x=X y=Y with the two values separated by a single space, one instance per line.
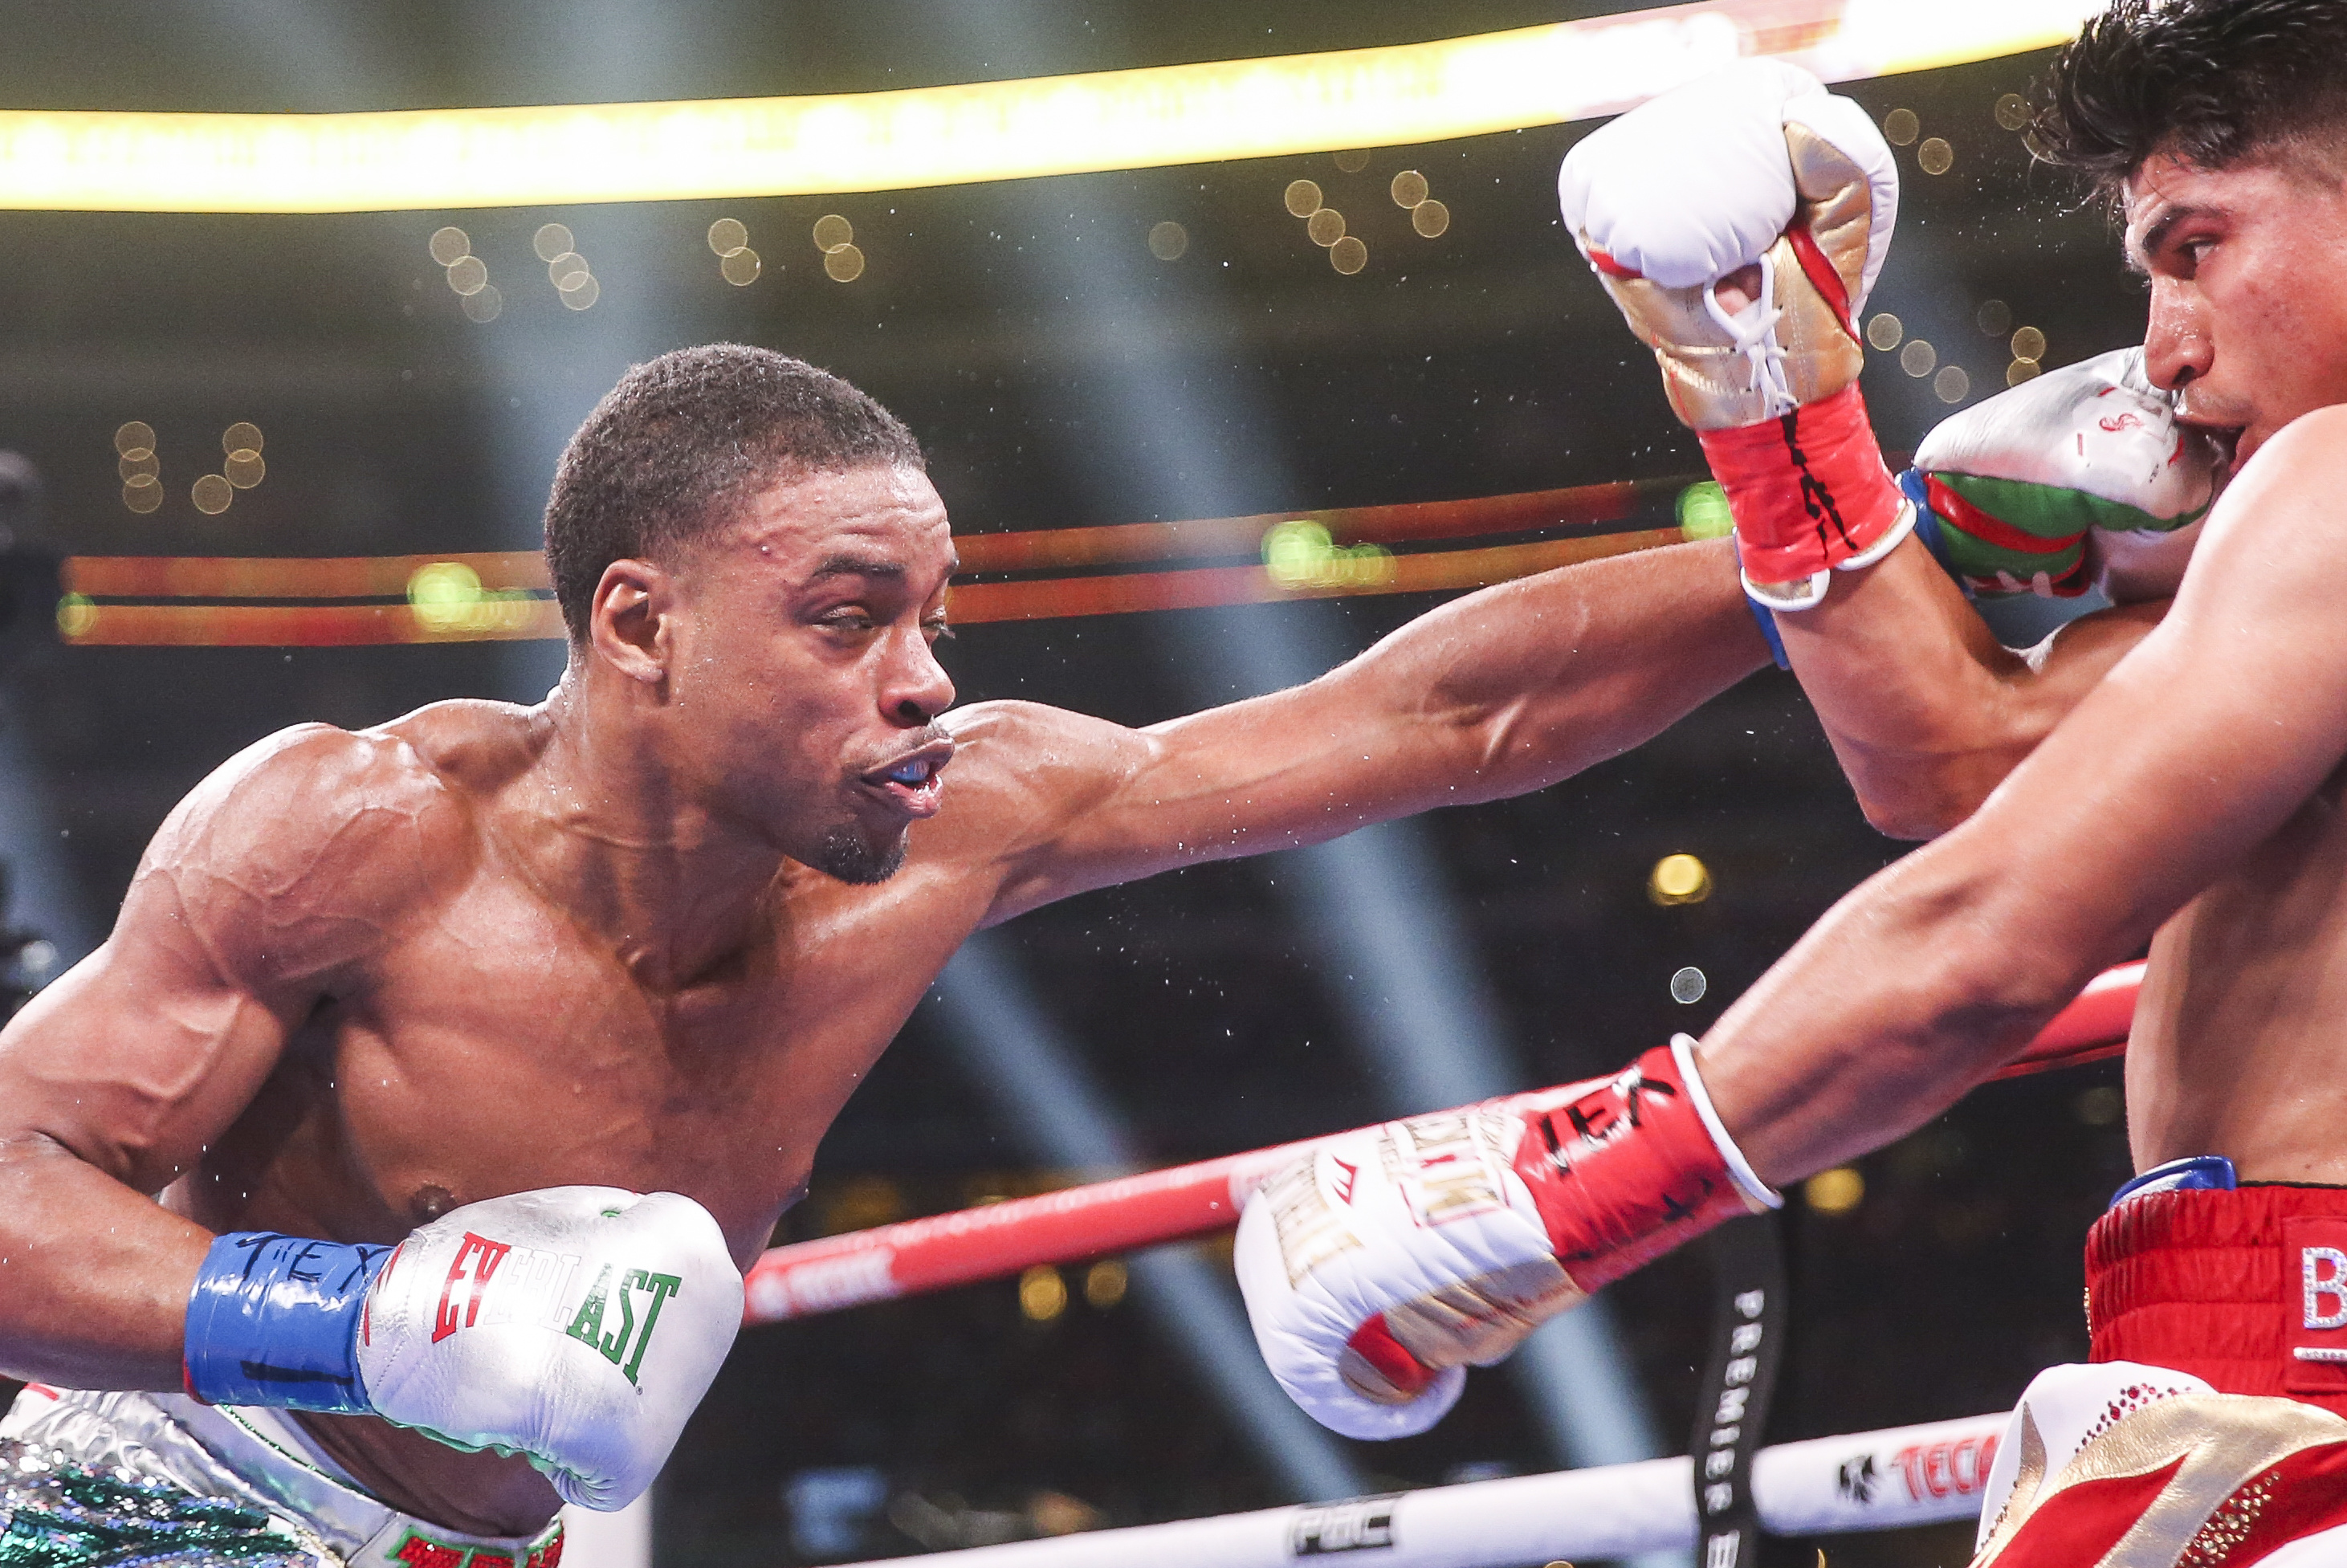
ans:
x=1808 y=490
x=1625 y=1172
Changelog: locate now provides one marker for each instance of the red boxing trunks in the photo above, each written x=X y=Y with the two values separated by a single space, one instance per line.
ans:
x=2244 y=1288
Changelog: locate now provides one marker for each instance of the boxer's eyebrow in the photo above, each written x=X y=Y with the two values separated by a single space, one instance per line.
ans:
x=857 y=566
x=2137 y=253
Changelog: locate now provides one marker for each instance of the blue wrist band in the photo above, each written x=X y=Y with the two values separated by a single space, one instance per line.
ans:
x=1768 y=619
x=275 y=1320
x=1765 y=617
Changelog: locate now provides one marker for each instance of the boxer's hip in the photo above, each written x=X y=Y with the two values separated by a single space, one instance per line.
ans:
x=2244 y=1288
x=131 y=1479
x=2131 y=1466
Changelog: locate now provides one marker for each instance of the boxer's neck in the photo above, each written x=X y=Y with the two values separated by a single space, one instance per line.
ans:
x=608 y=829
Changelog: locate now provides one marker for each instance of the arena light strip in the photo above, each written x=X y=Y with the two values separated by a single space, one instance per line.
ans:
x=914 y=1257
x=555 y=155
x=1898 y=1477
x=500 y=594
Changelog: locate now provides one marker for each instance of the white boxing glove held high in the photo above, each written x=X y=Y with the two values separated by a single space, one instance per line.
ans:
x=1695 y=183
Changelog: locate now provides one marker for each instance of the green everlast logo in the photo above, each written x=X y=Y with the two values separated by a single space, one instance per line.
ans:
x=587 y=1325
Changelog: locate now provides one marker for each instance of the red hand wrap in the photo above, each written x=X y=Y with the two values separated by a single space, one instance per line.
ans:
x=1625 y=1172
x=1808 y=490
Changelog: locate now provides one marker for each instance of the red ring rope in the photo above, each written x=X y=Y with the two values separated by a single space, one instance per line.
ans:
x=914 y=1257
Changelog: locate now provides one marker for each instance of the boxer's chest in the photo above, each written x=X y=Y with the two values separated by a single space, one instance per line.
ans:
x=499 y=1047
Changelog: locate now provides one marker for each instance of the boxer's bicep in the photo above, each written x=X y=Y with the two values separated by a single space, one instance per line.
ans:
x=2226 y=719
x=138 y=1057
x=255 y=897
x=1058 y=803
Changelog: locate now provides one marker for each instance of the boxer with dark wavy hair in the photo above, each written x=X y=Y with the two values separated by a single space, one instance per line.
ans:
x=2168 y=772
x=2217 y=84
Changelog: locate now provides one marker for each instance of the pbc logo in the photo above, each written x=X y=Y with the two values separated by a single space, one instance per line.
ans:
x=1362 y=1525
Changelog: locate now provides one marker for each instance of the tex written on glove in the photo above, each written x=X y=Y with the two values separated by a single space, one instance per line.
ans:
x=1756 y=163
x=578 y=1327
x=2080 y=477
x=1382 y=1263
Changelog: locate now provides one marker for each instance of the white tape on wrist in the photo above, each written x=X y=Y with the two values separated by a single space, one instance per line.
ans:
x=1748 y=1181
x=1807 y=594
x=1810 y=594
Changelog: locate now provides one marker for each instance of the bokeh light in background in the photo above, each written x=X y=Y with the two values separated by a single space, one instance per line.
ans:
x=1679 y=879
x=1835 y=1191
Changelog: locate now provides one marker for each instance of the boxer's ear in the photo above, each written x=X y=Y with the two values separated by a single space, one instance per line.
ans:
x=628 y=619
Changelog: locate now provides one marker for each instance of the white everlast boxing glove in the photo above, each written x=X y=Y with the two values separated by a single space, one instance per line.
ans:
x=1756 y=163
x=578 y=1327
x=1382 y=1265
x=2081 y=478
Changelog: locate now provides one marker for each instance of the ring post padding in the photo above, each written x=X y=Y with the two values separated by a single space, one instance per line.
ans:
x=1889 y=1480
x=1749 y=1316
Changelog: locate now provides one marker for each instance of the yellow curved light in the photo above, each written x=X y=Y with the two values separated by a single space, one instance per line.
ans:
x=1408 y=94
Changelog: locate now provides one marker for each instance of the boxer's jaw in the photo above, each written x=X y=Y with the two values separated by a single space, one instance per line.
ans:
x=802 y=687
x=2241 y=325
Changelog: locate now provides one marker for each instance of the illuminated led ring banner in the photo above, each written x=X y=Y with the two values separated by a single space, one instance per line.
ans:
x=193 y=601
x=1889 y=1480
x=437 y=158
x=914 y=1257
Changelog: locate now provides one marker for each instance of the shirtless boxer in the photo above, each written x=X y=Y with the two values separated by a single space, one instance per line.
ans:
x=465 y=983
x=2190 y=797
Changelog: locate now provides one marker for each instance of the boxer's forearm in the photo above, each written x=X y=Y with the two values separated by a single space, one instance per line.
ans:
x=1926 y=711
x=1894 y=1006
x=1532 y=681
x=1491 y=695
x=94 y=1278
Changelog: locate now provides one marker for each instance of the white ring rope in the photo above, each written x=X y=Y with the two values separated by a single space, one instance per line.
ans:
x=1926 y=1474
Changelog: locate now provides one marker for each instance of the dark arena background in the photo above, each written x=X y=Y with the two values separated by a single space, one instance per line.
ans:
x=1073 y=350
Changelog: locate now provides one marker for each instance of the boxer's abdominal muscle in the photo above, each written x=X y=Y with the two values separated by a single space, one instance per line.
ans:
x=2240 y=1036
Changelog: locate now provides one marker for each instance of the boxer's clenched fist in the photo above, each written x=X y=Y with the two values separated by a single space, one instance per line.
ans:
x=1379 y=1265
x=575 y=1326
x=1756 y=164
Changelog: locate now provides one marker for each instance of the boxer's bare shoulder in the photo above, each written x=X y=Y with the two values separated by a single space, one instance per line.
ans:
x=299 y=855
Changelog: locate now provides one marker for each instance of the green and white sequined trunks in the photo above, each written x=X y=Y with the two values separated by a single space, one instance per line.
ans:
x=127 y=1480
